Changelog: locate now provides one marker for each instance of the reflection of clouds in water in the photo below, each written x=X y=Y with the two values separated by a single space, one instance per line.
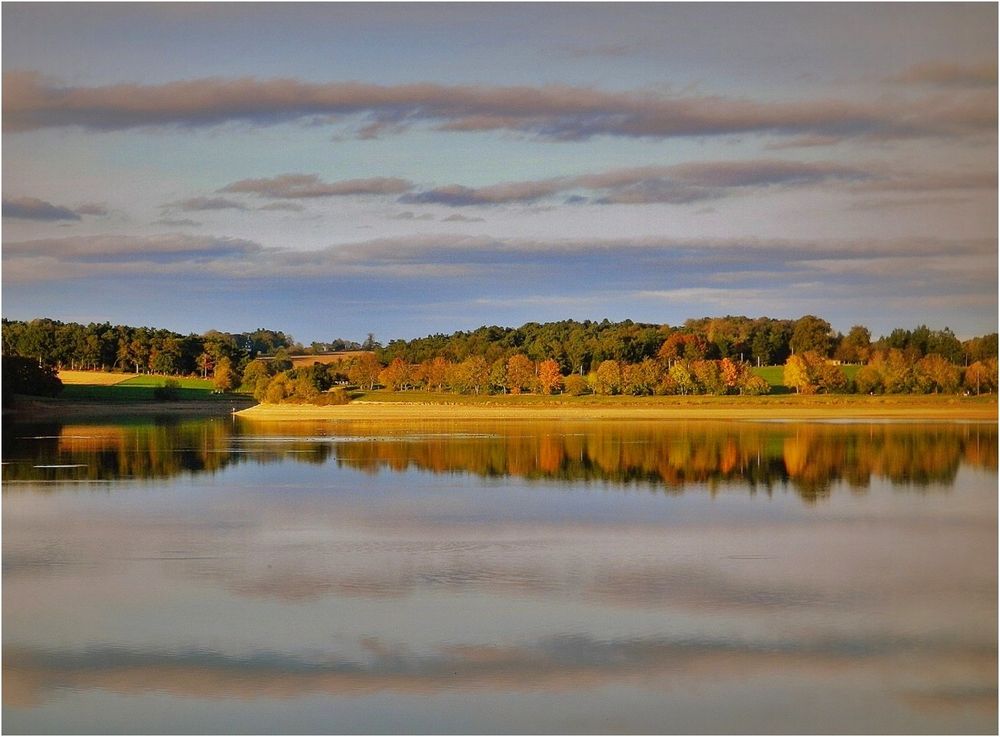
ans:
x=566 y=662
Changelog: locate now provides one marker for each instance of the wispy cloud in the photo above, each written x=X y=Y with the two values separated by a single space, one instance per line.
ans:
x=408 y=215
x=307 y=186
x=946 y=74
x=201 y=204
x=93 y=208
x=556 y=112
x=282 y=207
x=679 y=183
x=177 y=222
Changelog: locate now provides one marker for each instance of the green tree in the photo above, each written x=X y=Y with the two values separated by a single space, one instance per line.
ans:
x=856 y=346
x=498 y=375
x=811 y=333
x=281 y=360
x=25 y=376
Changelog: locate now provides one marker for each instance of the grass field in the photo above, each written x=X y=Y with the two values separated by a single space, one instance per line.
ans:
x=774 y=375
x=154 y=381
x=100 y=386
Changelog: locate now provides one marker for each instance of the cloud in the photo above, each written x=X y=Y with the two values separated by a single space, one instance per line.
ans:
x=555 y=663
x=407 y=215
x=282 y=206
x=305 y=186
x=457 y=218
x=945 y=74
x=677 y=184
x=177 y=222
x=915 y=181
x=803 y=275
x=93 y=208
x=131 y=251
x=32 y=208
x=201 y=204
x=457 y=195
x=554 y=112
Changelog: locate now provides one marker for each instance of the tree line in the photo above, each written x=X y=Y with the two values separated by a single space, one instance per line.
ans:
x=710 y=355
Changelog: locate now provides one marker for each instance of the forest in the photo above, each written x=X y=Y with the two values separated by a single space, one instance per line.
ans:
x=709 y=355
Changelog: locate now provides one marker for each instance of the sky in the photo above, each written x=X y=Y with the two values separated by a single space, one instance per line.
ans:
x=338 y=169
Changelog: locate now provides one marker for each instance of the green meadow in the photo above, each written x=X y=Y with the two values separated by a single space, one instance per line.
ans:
x=138 y=389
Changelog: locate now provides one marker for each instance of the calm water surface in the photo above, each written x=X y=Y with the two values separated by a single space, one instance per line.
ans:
x=218 y=576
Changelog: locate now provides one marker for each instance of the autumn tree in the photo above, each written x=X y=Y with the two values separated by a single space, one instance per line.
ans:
x=981 y=376
x=934 y=373
x=640 y=379
x=797 y=376
x=364 y=371
x=550 y=378
x=396 y=375
x=607 y=378
x=435 y=373
x=224 y=378
x=683 y=379
x=734 y=374
x=576 y=385
x=520 y=373
x=708 y=376
x=754 y=385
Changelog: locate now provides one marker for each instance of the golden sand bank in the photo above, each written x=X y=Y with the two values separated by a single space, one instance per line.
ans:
x=711 y=408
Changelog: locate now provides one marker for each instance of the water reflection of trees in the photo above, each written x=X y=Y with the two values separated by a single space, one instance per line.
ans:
x=811 y=458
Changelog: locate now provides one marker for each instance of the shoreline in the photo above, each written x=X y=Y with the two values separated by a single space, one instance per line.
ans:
x=834 y=408
x=856 y=408
x=48 y=410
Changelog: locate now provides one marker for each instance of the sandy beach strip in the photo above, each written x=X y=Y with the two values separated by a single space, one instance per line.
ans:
x=855 y=408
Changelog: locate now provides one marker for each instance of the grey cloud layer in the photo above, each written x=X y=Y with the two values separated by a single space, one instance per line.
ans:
x=110 y=249
x=446 y=256
x=557 y=112
x=32 y=208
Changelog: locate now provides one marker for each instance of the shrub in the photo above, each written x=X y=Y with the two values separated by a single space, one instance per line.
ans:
x=169 y=392
x=575 y=385
x=25 y=376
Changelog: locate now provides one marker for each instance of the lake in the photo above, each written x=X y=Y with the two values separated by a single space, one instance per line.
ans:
x=213 y=575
